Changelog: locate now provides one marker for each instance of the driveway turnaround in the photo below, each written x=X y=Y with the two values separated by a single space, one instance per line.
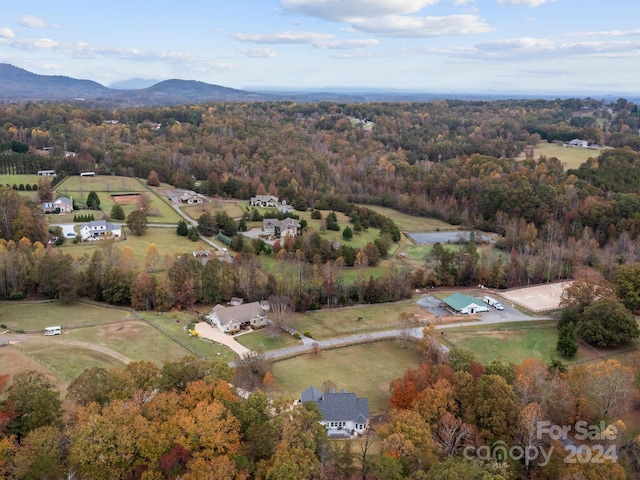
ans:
x=211 y=333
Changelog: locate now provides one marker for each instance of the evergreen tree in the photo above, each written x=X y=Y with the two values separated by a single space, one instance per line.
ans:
x=567 y=345
x=182 y=229
x=117 y=212
x=93 y=201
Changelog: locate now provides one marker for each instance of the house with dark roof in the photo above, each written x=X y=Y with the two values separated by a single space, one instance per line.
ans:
x=344 y=414
x=233 y=319
x=465 y=304
x=273 y=226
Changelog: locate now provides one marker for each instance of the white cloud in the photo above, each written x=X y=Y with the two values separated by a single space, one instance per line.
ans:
x=349 y=44
x=35 y=44
x=392 y=18
x=608 y=33
x=343 y=10
x=528 y=3
x=6 y=33
x=403 y=26
x=284 y=37
x=32 y=22
x=258 y=52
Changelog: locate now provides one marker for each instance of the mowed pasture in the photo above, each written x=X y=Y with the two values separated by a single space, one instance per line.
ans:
x=339 y=322
x=167 y=241
x=571 y=157
x=365 y=370
x=35 y=316
x=116 y=338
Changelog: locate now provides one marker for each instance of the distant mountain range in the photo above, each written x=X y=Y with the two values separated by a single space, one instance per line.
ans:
x=18 y=85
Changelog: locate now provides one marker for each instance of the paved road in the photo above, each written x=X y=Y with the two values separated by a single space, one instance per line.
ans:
x=307 y=345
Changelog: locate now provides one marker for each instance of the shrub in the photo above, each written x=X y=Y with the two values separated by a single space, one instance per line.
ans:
x=308 y=334
x=297 y=336
x=16 y=296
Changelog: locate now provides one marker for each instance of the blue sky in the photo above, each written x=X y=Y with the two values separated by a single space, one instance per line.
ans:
x=568 y=47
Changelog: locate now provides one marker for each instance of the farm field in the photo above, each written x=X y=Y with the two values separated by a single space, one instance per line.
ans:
x=365 y=370
x=323 y=324
x=14 y=361
x=105 y=186
x=572 y=157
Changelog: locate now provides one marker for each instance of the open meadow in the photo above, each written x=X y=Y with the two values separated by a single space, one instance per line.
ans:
x=365 y=370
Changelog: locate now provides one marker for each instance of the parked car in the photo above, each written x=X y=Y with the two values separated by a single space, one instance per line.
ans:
x=498 y=306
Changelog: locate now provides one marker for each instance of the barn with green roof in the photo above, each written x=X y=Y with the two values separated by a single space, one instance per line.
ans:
x=465 y=304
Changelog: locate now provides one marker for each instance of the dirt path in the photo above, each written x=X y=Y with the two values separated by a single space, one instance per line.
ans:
x=99 y=348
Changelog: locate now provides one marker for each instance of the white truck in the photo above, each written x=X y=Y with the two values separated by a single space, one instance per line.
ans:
x=493 y=302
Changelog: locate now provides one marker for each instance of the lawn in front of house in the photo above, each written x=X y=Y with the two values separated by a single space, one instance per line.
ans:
x=365 y=370
x=266 y=340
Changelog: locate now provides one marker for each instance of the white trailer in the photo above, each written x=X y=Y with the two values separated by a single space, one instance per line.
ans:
x=489 y=300
x=53 y=331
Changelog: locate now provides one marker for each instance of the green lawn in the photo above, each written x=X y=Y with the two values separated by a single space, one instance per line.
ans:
x=35 y=316
x=338 y=322
x=264 y=340
x=365 y=370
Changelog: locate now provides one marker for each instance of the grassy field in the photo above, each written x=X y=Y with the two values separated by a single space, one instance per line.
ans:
x=166 y=240
x=105 y=186
x=512 y=342
x=410 y=223
x=365 y=370
x=572 y=157
x=264 y=341
x=109 y=346
x=18 y=179
x=36 y=316
x=233 y=208
x=338 y=322
x=173 y=324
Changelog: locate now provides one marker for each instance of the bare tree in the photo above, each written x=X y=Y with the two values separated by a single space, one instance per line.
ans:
x=280 y=306
x=251 y=370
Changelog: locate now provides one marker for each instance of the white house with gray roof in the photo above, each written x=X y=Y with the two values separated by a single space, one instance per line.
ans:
x=99 y=229
x=264 y=201
x=344 y=414
x=233 y=319
x=62 y=204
